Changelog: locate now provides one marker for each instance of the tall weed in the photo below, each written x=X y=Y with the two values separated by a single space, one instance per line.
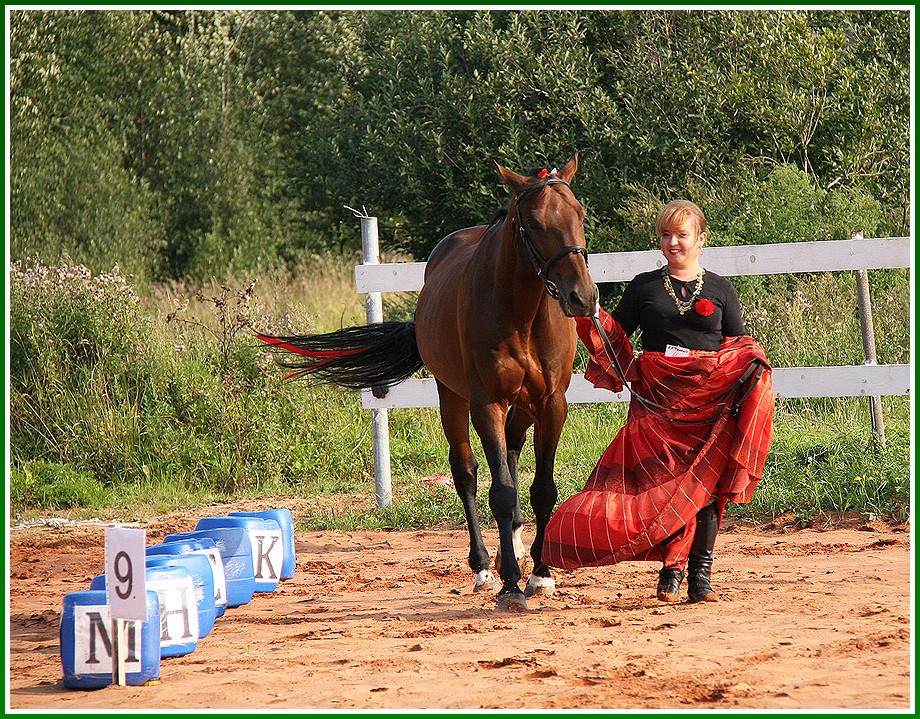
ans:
x=812 y=320
x=77 y=345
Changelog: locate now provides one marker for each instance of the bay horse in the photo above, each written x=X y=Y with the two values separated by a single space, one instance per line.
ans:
x=493 y=325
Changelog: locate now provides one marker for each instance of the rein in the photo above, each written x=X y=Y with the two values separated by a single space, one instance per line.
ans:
x=652 y=407
x=540 y=265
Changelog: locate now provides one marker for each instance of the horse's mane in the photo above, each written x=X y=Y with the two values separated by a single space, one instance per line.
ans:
x=535 y=185
x=497 y=218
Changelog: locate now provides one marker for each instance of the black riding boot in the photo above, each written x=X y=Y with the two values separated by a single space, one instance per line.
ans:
x=669 y=578
x=699 y=565
x=669 y=585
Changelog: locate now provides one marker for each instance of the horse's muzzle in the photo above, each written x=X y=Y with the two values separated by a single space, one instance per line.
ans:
x=580 y=301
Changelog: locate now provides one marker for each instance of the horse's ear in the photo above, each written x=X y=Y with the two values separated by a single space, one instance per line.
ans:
x=513 y=180
x=568 y=172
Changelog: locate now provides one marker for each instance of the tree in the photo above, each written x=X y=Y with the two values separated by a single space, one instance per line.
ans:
x=207 y=142
x=433 y=97
x=71 y=194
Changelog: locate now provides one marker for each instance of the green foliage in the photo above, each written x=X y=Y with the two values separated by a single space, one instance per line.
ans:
x=64 y=320
x=76 y=346
x=758 y=207
x=147 y=154
x=46 y=485
x=70 y=192
x=707 y=74
x=224 y=143
x=207 y=141
x=823 y=463
x=812 y=320
x=100 y=387
x=436 y=96
x=786 y=205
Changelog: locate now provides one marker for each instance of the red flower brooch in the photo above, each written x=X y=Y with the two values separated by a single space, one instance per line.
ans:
x=704 y=307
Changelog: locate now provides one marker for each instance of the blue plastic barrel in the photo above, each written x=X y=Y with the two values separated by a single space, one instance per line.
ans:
x=178 y=608
x=199 y=569
x=86 y=642
x=285 y=520
x=265 y=543
x=236 y=552
x=208 y=549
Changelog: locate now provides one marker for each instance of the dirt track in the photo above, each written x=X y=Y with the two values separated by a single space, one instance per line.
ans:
x=809 y=619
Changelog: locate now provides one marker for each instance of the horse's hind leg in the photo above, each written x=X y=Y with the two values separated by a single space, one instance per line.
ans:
x=455 y=420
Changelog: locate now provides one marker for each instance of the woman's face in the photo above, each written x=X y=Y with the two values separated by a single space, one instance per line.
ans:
x=682 y=243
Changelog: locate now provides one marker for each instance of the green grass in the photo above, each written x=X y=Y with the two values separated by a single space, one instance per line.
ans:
x=123 y=404
x=826 y=461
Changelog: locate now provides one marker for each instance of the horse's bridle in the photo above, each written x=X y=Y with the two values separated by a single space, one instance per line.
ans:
x=540 y=265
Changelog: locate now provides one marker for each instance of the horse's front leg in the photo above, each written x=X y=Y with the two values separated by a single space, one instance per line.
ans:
x=543 y=492
x=516 y=426
x=489 y=421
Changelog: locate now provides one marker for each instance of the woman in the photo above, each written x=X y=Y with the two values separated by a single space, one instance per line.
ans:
x=699 y=425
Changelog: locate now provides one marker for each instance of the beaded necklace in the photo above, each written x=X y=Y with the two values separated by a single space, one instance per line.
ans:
x=682 y=305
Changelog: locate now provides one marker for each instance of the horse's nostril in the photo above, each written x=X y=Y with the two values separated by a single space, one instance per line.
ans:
x=580 y=304
x=574 y=299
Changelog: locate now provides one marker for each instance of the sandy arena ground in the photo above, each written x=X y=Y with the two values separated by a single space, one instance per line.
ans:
x=809 y=619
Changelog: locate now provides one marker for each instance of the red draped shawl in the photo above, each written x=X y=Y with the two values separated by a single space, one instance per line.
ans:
x=656 y=475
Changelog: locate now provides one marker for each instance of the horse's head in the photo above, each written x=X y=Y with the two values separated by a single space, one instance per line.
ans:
x=549 y=221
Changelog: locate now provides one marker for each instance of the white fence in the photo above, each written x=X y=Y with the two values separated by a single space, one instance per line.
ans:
x=859 y=255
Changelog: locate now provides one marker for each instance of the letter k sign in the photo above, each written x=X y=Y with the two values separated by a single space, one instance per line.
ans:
x=263 y=556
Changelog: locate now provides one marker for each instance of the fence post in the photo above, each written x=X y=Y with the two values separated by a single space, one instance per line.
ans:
x=380 y=426
x=868 y=337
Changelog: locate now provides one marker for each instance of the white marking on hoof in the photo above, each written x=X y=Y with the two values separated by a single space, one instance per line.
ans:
x=511 y=602
x=486 y=582
x=544 y=586
x=519 y=549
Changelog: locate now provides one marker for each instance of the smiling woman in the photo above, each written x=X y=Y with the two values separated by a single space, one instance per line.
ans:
x=683 y=305
x=681 y=229
x=699 y=426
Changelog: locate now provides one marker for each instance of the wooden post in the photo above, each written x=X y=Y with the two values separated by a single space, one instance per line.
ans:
x=119 y=652
x=868 y=337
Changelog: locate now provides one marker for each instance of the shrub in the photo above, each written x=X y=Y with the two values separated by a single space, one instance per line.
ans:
x=63 y=319
x=49 y=485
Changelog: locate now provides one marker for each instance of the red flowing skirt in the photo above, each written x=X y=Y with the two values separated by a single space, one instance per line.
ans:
x=656 y=474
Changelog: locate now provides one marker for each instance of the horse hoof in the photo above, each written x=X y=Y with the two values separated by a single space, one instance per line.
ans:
x=511 y=602
x=540 y=586
x=486 y=582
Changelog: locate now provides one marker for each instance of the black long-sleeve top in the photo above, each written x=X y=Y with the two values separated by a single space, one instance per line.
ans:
x=647 y=305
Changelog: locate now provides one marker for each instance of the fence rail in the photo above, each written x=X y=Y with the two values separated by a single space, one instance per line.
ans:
x=867 y=380
x=778 y=259
x=844 y=381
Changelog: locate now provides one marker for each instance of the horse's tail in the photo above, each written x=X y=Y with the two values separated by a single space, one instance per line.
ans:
x=355 y=357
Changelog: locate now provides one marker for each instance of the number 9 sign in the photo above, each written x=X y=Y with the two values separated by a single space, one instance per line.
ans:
x=125 y=573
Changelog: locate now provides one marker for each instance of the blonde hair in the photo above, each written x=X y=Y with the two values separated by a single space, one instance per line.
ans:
x=676 y=213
